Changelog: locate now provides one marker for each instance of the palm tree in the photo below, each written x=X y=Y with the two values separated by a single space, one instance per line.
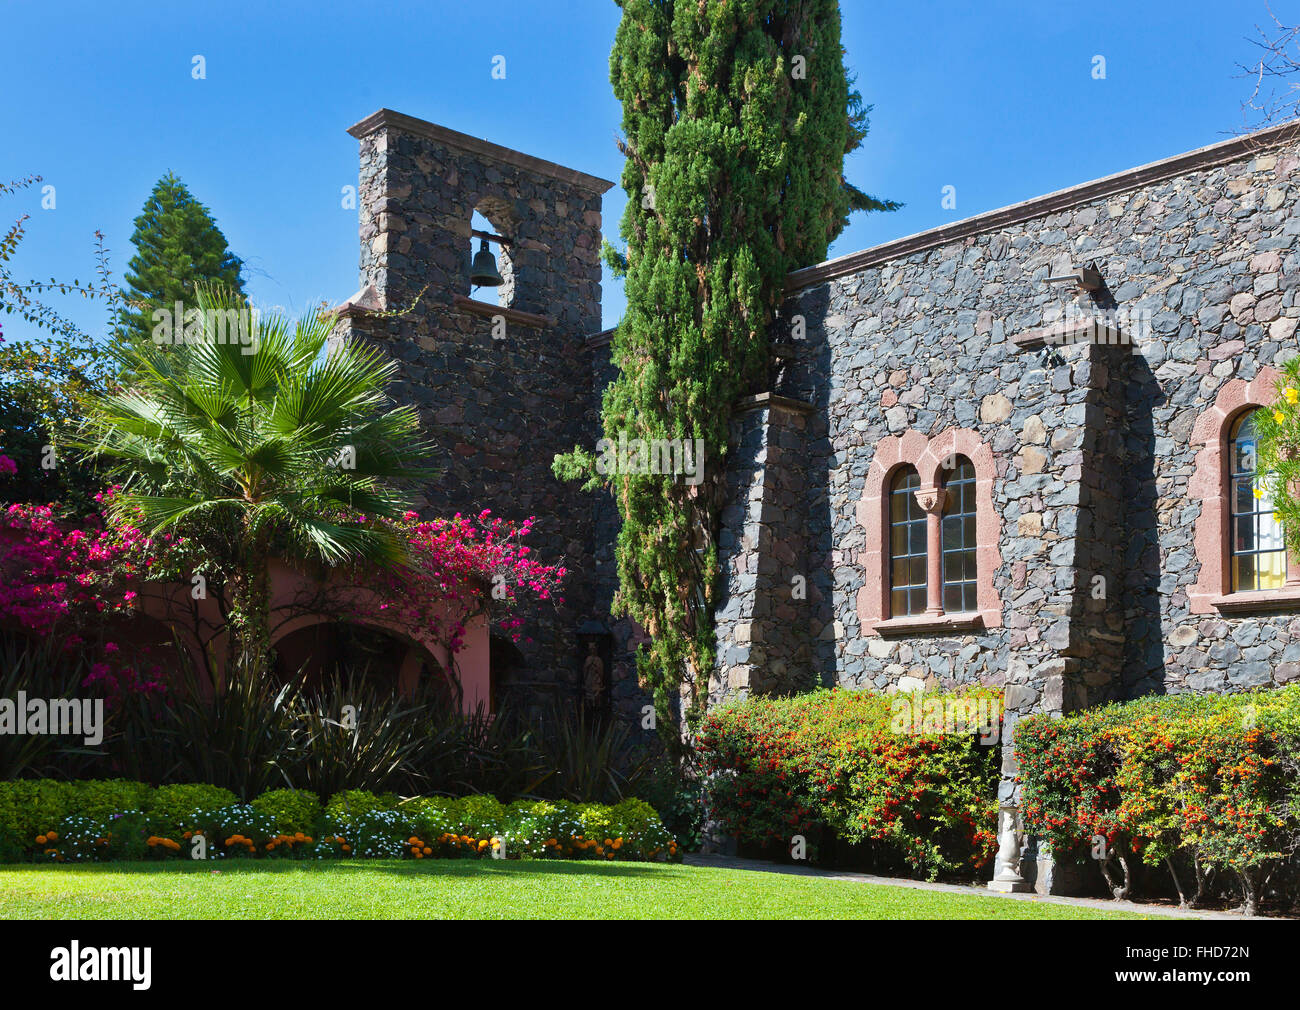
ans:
x=270 y=440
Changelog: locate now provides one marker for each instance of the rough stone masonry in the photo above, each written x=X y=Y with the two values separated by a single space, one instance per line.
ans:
x=1099 y=444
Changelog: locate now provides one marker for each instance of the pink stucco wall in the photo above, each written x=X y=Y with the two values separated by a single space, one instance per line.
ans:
x=294 y=599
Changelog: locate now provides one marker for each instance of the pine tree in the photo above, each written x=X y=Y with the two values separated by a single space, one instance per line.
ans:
x=178 y=245
x=737 y=115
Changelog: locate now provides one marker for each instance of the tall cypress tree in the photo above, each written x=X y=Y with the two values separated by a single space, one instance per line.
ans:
x=178 y=244
x=737 y=115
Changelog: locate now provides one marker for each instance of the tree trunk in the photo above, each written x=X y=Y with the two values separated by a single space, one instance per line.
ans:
x=250 y=617
x=1249 y=892
x=1119 y=889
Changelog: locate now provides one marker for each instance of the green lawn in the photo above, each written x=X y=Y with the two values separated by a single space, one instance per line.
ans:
x=450 y=889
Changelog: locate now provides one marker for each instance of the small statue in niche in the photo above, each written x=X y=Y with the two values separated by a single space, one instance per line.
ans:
x=593 y=679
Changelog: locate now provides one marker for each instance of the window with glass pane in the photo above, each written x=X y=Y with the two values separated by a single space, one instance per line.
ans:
x=906 y=546
x=1258 y=553
x=959 y=538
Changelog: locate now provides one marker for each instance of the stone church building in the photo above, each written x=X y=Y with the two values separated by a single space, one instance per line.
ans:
x=1015 y=449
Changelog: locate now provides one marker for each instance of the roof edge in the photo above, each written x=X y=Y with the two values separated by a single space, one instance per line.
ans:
x=387 y=118
x=1232 y=149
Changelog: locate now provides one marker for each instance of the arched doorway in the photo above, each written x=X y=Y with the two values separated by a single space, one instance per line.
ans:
x=355 y=657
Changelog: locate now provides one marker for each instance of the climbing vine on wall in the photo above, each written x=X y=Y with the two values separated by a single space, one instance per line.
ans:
x=737 y=116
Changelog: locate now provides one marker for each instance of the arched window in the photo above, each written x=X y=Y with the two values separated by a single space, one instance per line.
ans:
x=930 y=549
x=1258 y=551
x=907 y=547
x=959 y=582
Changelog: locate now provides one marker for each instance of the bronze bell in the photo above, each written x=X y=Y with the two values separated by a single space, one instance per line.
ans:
x=483 y=272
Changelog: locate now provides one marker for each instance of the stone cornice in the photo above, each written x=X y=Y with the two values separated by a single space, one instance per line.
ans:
x=760 y=401
x=388 y=119
x=1073 y=330
x=1234 y=149
x=488 y=310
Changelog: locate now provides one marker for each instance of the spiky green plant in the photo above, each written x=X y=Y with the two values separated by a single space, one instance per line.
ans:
x=268 y=441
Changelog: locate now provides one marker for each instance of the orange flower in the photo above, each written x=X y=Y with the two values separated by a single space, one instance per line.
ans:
x=41 y=839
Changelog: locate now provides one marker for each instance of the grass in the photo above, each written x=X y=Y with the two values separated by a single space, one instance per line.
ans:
x=462 y=889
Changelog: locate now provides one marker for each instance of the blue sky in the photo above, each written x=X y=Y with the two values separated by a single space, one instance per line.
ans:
x=996 y=99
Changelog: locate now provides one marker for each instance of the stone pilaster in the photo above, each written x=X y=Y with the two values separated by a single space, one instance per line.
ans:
x=765 y=610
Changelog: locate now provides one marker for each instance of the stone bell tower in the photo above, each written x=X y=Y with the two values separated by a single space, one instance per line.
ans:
x=501 y=388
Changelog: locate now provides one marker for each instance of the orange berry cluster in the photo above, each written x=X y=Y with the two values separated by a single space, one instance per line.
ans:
x=474 y=845
x=288 y=841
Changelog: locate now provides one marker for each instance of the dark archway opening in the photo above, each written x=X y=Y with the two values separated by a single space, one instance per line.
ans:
x=354 y=657
x=504 y=663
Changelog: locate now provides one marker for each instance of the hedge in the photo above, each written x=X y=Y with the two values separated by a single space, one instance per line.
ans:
x=1202 y=784
x=48 y=821
x=910 y=779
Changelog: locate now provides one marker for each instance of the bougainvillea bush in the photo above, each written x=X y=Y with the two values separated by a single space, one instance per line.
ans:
x=861 y=767
x=64 y=574
x=65 y=577
x=48 y=821
x=1201 y=784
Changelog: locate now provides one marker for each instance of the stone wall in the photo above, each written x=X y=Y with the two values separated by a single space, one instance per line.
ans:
x=1096 y=494
x=1092 y=441
x=500 y=390
x=1095 y=443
